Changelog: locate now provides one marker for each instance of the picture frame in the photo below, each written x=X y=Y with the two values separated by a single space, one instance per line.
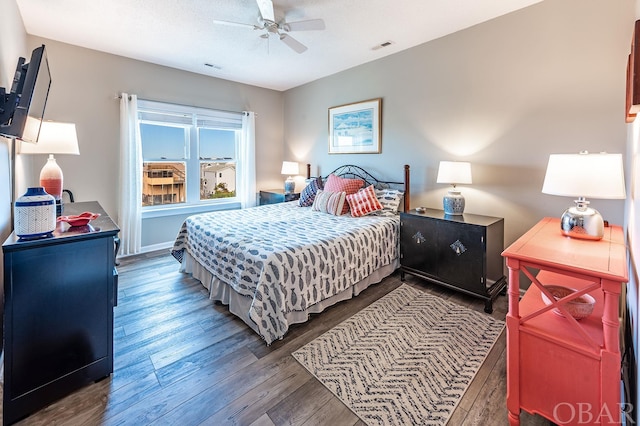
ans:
x=632 y=101
x=629 y=116
x=355 y=128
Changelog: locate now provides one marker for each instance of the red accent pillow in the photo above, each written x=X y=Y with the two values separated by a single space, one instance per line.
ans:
x=338 y=184
x=364 y=202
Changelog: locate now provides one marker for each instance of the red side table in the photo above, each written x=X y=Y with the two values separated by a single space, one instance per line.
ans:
x=565 y=370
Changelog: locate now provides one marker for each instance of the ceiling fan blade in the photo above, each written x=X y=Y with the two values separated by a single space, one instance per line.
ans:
x=266 y=10
x=310 y=25
x=236 y=24
x=293 y=43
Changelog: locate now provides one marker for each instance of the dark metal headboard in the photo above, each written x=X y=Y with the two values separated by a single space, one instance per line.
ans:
x=350 y=171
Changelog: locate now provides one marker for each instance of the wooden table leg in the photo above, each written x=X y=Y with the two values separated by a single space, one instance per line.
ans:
x=513 y=344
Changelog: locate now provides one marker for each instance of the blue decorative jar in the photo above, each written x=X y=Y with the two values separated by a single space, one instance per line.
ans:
x=453 y=203
x=34 y=214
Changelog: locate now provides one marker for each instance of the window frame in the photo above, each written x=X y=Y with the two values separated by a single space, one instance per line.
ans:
x=236 y=156
x=198 y=118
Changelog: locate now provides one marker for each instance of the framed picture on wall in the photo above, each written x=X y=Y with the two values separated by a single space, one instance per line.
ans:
x=355 y=128
x=629 y=116
x=632 y=107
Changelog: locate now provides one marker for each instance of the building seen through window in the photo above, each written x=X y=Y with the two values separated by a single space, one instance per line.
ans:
x=217 y=163
x=163 y=183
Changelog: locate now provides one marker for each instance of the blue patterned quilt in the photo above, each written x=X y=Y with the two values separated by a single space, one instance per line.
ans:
x=287 y=257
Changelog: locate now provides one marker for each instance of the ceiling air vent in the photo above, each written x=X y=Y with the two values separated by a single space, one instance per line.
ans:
x=381 y=45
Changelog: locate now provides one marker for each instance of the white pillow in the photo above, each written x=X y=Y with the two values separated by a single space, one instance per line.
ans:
x=390 y=200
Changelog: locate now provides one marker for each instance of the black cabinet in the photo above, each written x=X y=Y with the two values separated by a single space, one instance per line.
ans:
x=461 y=252
x=273 y=196
x=59 y=295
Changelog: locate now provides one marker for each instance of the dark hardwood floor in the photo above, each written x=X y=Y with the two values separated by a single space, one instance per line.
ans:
x=181 y=359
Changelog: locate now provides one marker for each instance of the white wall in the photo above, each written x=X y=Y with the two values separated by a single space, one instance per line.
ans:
x=503 y=95
x=11 y=29
x=12 y=46
x=84 y=88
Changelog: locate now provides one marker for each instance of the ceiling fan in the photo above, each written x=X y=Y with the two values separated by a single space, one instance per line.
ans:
x=268 y=22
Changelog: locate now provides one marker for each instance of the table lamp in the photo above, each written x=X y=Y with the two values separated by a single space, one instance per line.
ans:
x=454 y=172
x=55 y=138
x=584 y=175
x=289 y=168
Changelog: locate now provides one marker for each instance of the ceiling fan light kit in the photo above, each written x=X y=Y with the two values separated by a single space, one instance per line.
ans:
x=267 y=22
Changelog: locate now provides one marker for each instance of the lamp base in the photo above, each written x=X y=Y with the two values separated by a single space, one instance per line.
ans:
x=289 y=185
x=582 y=222
x=453 y=203
x=51 y=178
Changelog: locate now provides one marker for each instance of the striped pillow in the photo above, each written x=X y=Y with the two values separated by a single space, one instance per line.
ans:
x=329 y=202
x=363 y=202
x=338 y=184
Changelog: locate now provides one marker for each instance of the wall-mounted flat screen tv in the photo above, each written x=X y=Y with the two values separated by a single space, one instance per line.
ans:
x=22 y=109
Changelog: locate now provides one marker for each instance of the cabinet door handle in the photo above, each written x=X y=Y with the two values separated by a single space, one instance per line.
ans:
x=115 y=286
x=419 y=238
x=116 y=241
x=458 y=247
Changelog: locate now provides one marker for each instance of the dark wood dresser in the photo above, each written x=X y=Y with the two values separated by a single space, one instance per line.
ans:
x=273 y=196
x=59 y=294
x=460 y=252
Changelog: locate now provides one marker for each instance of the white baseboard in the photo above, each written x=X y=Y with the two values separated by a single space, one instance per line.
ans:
x=148 y=249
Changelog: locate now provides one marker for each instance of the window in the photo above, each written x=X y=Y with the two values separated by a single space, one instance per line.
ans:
x=217 y=163
x=190 y=155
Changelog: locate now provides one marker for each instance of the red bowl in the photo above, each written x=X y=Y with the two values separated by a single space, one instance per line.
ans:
x=79 y=219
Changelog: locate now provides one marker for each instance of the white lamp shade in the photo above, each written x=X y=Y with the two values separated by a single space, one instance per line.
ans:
x=585 y=175
x=454 y=172
x=55 y=138
x=290 y=168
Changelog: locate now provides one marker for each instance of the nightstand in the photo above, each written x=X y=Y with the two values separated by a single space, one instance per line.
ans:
x=462 y=252
x=273 y=196
x=565 y=370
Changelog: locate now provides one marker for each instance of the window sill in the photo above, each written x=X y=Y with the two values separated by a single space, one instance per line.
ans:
x=164 y=211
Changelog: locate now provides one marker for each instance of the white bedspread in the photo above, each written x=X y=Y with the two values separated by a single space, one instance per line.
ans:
x=287 y=258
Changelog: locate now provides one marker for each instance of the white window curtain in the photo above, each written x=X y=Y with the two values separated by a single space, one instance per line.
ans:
x=130 y=212
x=247 y=175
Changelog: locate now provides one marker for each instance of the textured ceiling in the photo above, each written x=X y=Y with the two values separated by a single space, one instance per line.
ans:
x=183 y=35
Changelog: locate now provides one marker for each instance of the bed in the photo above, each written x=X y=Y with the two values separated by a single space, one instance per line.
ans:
x=276 y=264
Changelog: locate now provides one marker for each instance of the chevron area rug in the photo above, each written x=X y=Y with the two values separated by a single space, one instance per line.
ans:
x=406 y=359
